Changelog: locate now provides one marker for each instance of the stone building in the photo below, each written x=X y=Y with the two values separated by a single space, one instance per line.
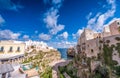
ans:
x=11 y=51
x=106 y=31
x=85 y=36
x=89 y=40
x=114 y=27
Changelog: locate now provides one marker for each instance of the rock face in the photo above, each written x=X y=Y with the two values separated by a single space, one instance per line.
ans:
x=71 y=52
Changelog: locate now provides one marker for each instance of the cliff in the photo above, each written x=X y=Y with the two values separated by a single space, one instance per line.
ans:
x=71 y=52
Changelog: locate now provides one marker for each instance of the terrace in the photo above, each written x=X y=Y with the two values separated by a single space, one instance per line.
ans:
x=29 y=70
x=5 y=70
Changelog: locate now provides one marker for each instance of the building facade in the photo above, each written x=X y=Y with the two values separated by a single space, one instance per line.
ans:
x=37 y=45
x=114 y=27
x=11 y=50
x=89 y=40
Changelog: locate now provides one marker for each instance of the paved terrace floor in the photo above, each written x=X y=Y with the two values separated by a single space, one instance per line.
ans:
x=16 y=73
x=55 y=65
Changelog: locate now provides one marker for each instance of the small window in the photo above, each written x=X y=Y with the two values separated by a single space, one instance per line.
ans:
x=92 y=50
x=88 y=45
x=118 y=23
x=18 y=49
x=11 y=49
x=1 y=49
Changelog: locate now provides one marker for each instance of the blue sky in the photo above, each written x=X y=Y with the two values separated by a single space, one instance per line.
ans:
x=57 y=22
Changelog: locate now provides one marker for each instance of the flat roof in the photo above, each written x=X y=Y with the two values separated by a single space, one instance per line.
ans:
x=5 y=68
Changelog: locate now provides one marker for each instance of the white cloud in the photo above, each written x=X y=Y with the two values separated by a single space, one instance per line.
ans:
x=92 y=22
x=64 y=35
x=89 y=15
x=111 y=1
x=51 y=18
x=97 y=23
x=45 y=37
x=78 y=33
x=62 y=44
x=7 y=34
x=2 y=21
x=26 y=37
x=56 y=29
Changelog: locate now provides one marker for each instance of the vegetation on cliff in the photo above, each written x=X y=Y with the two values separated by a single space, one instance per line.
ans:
x=105 y=67
x=69 y=69
x=71 y=52
x=42 y=60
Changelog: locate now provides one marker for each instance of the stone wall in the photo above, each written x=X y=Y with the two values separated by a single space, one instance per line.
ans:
x=113 y=41
x=89 y=34
x=114 y=28
x=92 y=46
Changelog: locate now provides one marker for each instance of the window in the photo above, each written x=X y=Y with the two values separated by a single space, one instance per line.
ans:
x=1 y=49
x=118 y=23
x=18 y=49
x=11 y=49
x=92 y=50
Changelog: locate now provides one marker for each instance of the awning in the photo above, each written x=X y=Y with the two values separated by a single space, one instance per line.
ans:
x=8 y=57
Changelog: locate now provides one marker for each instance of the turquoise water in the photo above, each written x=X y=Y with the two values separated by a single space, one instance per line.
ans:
x=63 y=52
x=24 y=68
x=28 y=67
x=37 y=68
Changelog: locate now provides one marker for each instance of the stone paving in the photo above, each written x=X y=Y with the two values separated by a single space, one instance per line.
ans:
x=55 y=65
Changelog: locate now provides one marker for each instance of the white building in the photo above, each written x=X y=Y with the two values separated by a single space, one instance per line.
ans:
x=38 y=45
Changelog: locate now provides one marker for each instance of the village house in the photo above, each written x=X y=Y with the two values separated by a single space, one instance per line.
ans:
x=89 y=41
x=11 y=51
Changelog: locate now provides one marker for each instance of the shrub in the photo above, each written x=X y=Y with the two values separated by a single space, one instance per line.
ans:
x=47 y=73
x=117 y=69
x=97 y=76
x=101 y=72
x=61 y=69
x=62 y=76
x=100 y=41
x=118 y=48
x=117 y=38
x=107 y=51
x=115 y=62
x=107 y=41
x=112 y=45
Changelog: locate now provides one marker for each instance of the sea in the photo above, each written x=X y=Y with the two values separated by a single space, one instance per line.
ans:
x=63 y=52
